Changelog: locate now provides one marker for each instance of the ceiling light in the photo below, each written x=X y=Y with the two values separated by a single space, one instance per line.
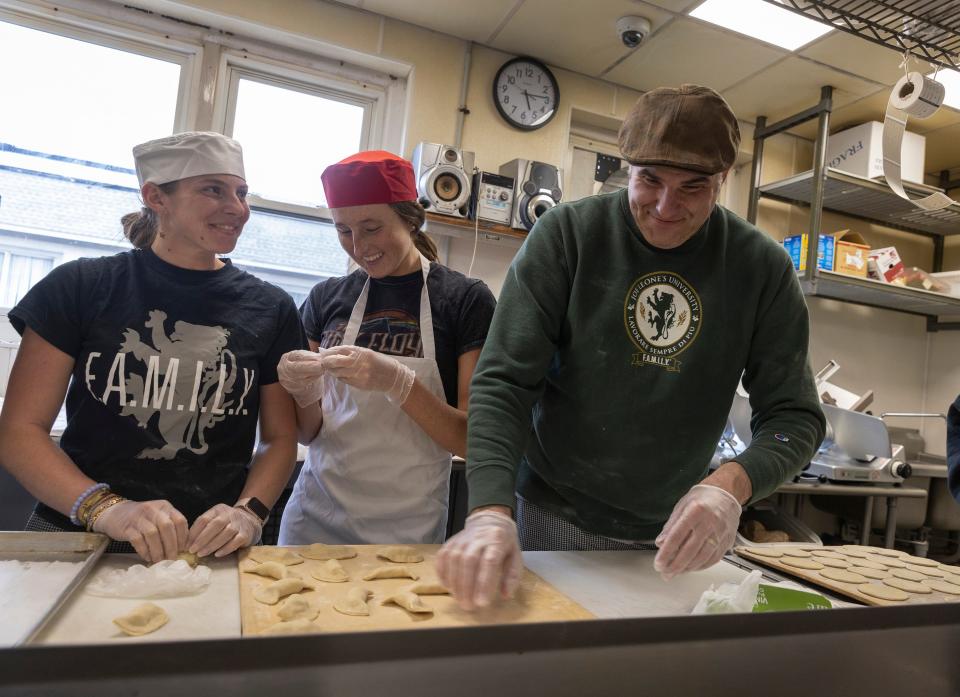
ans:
x=951 y=80
x=762 y=20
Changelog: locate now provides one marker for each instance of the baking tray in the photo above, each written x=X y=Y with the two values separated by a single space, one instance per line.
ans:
x=81 y=547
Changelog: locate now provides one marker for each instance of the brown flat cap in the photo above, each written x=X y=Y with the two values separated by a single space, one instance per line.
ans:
x=690 y=127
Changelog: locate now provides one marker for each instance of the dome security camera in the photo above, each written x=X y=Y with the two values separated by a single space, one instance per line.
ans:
x=632 y=30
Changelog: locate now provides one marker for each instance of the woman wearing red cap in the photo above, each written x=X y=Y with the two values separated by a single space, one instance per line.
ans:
x=382 y=397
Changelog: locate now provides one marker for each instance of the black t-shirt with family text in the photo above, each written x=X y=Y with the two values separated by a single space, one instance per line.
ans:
x=461 y=307
x=168 y=363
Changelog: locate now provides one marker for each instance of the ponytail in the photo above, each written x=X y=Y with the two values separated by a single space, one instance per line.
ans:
x=413 y=214
x=425 y=246
x=141 y=228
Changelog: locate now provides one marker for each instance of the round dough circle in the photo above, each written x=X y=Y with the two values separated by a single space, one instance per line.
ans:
x=948 y=568
x=797 y=553
x=869 y=573
x=922 y=561
x=827 y=553
x=845 y=576
x=835 y=563
x=883 y=592
x=907 y=575
x=905 y=585
x=942 y=586
x=889 y=562
x=884 y=552
x=927 y=570
x=870 y=564
x=764 y=552
x=802 y=563
x=855 y=551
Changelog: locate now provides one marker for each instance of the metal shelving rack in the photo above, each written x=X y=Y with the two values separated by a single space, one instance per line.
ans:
x=927 y=29
x=930 y=31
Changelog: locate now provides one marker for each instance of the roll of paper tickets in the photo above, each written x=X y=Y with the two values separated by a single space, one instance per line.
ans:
x=920 y=97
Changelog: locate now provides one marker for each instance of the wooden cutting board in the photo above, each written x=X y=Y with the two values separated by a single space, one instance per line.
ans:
x=535 y=601
x=885 y=563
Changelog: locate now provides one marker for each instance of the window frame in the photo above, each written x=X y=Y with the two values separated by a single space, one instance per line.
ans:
x=139 y=42
x=237 y=65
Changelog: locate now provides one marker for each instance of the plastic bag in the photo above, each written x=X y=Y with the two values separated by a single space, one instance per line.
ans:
x=730 y=597
x=165 y=579
x=918 y=278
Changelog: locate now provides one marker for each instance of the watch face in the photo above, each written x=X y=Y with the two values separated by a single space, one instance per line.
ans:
x=258 y=508
x=526 y=93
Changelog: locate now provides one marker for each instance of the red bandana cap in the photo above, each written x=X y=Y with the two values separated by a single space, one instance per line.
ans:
x=372 y=176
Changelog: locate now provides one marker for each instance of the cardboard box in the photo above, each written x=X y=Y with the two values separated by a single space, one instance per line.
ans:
x=850 y=255
x=859 y=151
x=884 y=264
x=796 y=246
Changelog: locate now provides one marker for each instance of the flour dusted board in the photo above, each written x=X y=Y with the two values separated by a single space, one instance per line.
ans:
x=871 y=575
x=535 y=601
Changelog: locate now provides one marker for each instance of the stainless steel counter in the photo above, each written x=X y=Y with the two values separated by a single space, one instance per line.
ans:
x=876 y=651
x=901 y=650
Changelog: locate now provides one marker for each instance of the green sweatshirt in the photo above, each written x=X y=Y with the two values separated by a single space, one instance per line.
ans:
x=610 y=367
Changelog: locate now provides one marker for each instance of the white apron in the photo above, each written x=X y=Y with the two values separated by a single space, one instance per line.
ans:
x=372 y=475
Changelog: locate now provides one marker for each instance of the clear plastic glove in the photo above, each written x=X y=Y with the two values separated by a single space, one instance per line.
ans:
x=300 y=373
x=369 y=370
x=481 y=560
x=156 y=529
x=701 y=529
x=223 y=529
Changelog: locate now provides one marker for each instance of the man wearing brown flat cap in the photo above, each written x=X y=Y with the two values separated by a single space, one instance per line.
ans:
x=624 y=325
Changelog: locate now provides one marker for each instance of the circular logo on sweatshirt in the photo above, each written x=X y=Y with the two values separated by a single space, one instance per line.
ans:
x=662 y=314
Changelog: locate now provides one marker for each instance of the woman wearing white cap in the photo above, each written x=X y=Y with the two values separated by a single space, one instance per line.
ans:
x=167 y=354
x=383 y=402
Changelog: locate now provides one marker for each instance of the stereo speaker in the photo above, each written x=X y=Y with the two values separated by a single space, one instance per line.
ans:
x=537 y=190
x=444 y=174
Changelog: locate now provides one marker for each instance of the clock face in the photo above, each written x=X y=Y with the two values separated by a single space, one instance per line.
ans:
x=526 y=93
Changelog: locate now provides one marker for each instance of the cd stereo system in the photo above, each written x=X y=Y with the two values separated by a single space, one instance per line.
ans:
x=516 y=196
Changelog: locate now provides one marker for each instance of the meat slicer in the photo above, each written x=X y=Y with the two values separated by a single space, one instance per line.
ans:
x=856 y=448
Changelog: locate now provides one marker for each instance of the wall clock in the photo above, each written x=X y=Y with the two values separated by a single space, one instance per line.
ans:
x=526 y=93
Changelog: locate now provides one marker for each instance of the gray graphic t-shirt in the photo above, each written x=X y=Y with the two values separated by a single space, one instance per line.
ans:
x=164 y=397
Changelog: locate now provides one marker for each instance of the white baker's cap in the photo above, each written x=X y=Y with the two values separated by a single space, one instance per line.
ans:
x=188 y=154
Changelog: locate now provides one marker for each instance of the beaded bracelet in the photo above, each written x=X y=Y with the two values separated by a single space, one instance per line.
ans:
x=110 y=502
x=83 y=497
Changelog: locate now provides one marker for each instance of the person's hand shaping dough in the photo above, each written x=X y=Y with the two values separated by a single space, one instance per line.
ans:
x=368 y=370
x=156 y=529
x=701 y=529
x=481 y=560
x=223 y=529
x=300 y=373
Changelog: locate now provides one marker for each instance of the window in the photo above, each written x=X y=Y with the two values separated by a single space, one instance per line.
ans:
x=66 y=169
x=291 y=135
x=18 y=273
x=66 y=166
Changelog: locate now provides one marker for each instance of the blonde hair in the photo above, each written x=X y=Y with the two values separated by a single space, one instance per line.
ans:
x=141 y=227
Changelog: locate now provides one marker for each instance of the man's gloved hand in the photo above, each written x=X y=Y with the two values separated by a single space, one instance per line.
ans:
x=368 y=370
x=701 y=529
x=481 y=560
x=300 y=374
x=156 y=529
x=223 y=529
